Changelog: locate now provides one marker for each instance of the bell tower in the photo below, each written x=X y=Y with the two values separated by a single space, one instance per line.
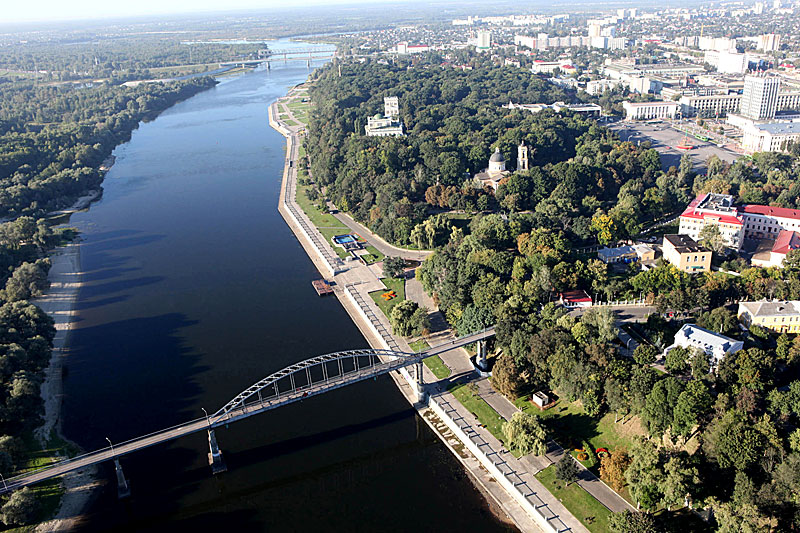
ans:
x=522 y=157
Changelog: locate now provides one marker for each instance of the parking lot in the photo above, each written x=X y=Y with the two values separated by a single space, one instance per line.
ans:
x=665 y=139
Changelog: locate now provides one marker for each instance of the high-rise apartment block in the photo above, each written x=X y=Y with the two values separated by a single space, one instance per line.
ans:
x=760 y=97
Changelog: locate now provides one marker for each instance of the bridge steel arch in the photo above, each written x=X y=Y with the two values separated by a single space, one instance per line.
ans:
x=314 y=376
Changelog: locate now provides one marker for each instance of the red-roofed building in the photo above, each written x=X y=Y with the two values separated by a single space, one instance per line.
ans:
x=575 y=299
x=772 y=253
x=713 y=209
x=766 y=222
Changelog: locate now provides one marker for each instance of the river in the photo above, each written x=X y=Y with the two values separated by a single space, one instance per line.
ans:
x=194 y=289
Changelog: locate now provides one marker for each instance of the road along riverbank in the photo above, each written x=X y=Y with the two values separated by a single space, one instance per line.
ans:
x=520 y=496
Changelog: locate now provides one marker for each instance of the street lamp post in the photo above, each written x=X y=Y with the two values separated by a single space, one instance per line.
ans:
x=112 y=446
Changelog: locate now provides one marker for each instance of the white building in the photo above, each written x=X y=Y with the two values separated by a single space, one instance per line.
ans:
x=496 y=171
x=649 y=110
x=598 y=87
x=388 y=124
x=713 y=209
x=710 y=105
x=483 y=41
x=770 y=137
x=769 y=42
x=760 y=97
x=714 y=345
x=766 y=222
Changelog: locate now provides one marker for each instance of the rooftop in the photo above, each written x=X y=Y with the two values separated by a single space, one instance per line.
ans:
x=710 y=205
x=768 y=210
x=771 y=308
x=683 y=243
x=695 y=333
x=787 y=240
x=779 y=128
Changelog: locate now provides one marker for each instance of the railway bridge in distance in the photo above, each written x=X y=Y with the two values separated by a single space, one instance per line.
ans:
x=294 y=383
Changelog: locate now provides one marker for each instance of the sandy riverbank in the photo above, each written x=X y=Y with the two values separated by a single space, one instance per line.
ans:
x=59 y=303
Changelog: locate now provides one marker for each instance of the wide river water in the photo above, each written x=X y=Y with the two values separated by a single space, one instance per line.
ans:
x=194 y=289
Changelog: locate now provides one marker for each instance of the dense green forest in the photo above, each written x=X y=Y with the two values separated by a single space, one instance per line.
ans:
x=506 y=265
x=53 y=138
x=454 y=120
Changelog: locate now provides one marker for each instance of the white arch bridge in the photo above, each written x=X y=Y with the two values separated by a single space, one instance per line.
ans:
x=294 y=383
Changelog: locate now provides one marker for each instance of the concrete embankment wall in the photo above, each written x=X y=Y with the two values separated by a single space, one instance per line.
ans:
x=284 y=205
x=552 y=524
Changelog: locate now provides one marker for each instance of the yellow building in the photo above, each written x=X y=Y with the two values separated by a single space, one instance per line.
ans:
x=685 y=254
x=780 y=316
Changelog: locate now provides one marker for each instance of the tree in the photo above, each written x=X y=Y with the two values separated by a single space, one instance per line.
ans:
x=505 y=377
x=711 y=238
x=604 y=227
x=680 y=478
x=645 y=354
x=693 y=404
x=630 y=522
x=29 y=280
x=677 y=360
x=408 y=318
x=567 y=469
x=658 y=410
x=393 y=267
x=719 y=320
x=613 y=467
x=733 y=442
x=700 y=364
x=525 y=433
x=20 y=508
x=644 y=475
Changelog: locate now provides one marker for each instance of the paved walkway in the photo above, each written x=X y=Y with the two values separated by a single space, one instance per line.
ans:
x=375 y=240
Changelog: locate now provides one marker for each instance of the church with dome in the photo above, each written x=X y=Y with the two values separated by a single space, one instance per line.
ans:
x=496 y=171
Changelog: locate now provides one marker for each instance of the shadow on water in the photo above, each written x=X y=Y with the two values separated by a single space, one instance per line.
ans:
x=147 y=354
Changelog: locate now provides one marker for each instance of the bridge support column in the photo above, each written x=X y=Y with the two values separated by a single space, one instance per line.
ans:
x=422 y=394
x=123 y=489
x=480 y=357
x=215 y=455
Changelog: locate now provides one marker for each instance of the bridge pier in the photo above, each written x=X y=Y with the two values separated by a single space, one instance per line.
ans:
x=422 y=393
x=480 y=357
x=215 y=455
x=123 y=489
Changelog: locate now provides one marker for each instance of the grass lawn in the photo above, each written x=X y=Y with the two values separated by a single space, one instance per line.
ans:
x=392 y=284
x=570 y=425
x=374 y=252
x=370 y=258
x=579 y=502
x=477 y=406
x=289 y=122
x=437 y=366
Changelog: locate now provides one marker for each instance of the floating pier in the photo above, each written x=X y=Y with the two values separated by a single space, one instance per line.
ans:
x=322 y=287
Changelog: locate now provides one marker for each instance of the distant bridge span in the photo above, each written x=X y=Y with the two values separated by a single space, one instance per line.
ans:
x=292 y=384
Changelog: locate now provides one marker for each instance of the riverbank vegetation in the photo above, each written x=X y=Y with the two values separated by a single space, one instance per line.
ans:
x=53 y=139
x=726 y=441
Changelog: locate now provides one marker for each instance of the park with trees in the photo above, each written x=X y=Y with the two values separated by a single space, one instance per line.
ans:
x=725 y=440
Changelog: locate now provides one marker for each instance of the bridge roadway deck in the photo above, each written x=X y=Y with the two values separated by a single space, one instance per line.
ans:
x=234 y=415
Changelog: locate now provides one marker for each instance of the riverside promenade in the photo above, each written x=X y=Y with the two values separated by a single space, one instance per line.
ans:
x=508 y=482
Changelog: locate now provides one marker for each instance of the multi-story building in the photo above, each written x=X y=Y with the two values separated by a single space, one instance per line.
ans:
x=779 y=316
x=760 y=97
x=713 y=105
x=713 y=209
x=597 y=87
x=685 y=254
x=766 y=222
x=649 y=110
x=770 y=137
x=769 y=42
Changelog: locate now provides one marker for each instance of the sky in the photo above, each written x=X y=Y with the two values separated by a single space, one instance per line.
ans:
x=54 y=10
